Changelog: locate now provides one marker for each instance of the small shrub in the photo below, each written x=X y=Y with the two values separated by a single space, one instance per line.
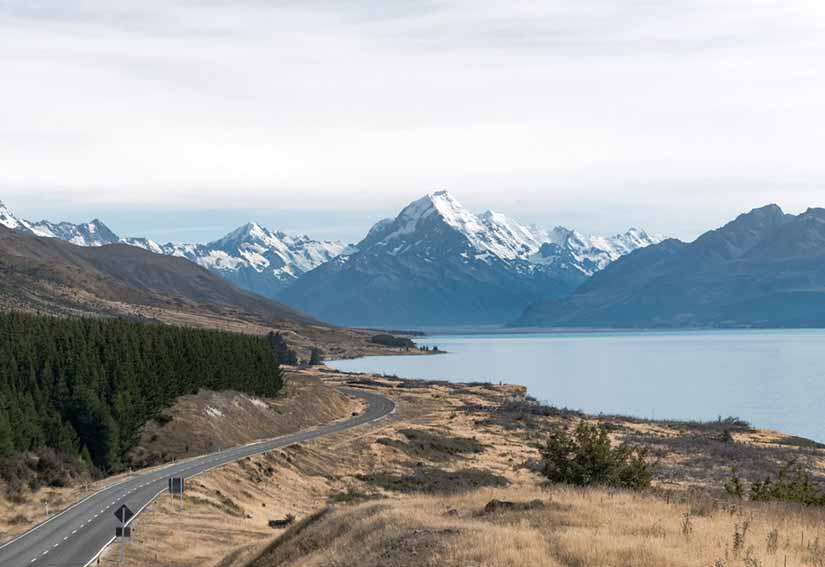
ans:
x=18 y=520
x=163 y=419
x=734 y=486
x=793 y=484
x=587 y=457
x=29 y=472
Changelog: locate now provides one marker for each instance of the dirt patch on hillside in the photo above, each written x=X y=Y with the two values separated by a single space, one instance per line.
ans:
x=433 y=480
x=433 y=445
x=209 y=421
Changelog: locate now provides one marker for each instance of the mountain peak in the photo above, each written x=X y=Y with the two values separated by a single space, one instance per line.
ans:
x=97 y=223
x=248 y=231
x=7 y=218
x=441 y=201
x=758 y=218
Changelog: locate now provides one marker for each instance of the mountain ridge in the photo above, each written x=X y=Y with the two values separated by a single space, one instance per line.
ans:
x=251 y=256
x=765 y=268
x=437 y=263
x=434 y=249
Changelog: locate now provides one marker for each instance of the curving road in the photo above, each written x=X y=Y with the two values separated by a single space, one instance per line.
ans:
x=75 y=537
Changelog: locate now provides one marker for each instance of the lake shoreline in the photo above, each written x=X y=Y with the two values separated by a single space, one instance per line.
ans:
x=767 y=377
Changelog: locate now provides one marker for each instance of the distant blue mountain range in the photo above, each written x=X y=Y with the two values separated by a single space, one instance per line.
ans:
x=764 y=269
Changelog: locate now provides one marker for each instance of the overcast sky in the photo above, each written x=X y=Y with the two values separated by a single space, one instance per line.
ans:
x=187 y=117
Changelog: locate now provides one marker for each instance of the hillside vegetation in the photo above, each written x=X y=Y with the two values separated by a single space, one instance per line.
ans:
x=458 y=476
x=86 y=387
x=49 y=276
x=552 y=527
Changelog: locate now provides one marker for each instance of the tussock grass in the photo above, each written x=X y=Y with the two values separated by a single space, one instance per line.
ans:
x=576 y=527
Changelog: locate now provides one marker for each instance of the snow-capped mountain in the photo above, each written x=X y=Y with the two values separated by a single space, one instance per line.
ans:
x=438 y=263
x=93 y=233
x=764 y=269
x=251 y=256
x=492 y=234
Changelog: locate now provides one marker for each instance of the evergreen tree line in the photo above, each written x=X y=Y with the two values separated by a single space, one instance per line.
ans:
x=85 y=387
x=283 y=353
x=286 y=355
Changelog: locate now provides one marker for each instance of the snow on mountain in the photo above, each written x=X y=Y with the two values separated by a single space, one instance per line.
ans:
x=256 y=250
x=493 y=235
x=437 y=263
x=146 y=243
x=251 y=256
x=7 y=218
x=434 y=263
x=93 y=233
x=591 y=253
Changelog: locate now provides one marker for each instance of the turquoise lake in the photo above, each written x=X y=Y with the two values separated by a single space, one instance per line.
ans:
x=773 y=379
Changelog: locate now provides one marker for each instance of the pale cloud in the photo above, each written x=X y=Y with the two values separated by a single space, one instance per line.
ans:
x=672 y=115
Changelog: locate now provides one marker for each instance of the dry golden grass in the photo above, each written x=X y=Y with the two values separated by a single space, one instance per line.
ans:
x=576 y=527
x=226 y=514
x=592 y=527
x=229 y=528
x=208 y=421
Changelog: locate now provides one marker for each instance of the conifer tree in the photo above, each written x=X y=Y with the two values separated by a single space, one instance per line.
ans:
x=315 y=357
x=85 y=387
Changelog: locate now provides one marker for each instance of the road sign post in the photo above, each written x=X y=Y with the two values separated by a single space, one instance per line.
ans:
x=177 y=485
x=123 y=532
x=124 y=514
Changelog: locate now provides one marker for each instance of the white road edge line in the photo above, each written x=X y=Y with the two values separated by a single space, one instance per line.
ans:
x=155 y=497
x=79 y=502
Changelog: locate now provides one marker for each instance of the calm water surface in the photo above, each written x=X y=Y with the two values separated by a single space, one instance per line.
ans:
x=774 y=379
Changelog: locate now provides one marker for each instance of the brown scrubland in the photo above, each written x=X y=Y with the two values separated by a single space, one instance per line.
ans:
x=555 y=526
x=451 y=479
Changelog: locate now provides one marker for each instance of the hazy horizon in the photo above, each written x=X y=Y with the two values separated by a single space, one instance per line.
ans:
x=192 y=226
x=322 y=117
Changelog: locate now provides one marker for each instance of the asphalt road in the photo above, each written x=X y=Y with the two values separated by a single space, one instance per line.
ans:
x=75 y=537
